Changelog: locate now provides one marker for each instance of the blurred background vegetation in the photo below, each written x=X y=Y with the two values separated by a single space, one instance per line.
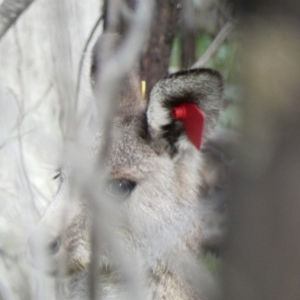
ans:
x=225 y=60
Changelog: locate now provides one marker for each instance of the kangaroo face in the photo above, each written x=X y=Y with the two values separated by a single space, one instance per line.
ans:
x=152 y=183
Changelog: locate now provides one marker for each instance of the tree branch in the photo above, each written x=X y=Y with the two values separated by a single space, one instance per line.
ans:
x=214 y=46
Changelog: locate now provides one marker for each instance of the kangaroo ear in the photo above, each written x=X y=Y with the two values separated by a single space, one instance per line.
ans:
x=201 y=87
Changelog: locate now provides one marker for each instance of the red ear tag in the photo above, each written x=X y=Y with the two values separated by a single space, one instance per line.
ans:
x=193 y=120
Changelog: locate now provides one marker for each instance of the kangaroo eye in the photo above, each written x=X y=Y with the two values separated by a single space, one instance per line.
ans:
x=120 y=188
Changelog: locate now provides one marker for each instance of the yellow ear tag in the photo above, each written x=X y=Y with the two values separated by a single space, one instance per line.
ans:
x=143 y=88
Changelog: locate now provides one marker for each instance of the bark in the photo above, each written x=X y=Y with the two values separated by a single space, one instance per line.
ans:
x=188 y=46
x=155 y=61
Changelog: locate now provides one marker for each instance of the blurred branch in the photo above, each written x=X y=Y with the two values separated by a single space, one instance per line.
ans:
x=214 y=46
x=10 y=10
x=83 y=54
x=4 y=292
x=117 y=15
x=112 y=73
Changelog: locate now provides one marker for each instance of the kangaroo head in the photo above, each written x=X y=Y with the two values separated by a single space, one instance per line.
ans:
x=152 y=179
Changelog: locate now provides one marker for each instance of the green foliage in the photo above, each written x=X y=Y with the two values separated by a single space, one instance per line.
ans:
x=225 y=62
x=175 y=54
x=203 y=42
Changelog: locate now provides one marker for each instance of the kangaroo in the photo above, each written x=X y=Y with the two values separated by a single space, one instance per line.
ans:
x=153 y=187
x=219 y=157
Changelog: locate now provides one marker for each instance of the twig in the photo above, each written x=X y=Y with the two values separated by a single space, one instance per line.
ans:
x=10 y=139
x=83 y=54
x=10 y=10
x=214 y=46
x=23 y=174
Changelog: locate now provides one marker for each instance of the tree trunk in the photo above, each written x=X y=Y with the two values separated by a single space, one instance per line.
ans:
x=262 y=259
x=188 y=46
x=155 y=61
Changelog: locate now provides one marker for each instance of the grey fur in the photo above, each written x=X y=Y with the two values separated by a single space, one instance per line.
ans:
x=157 y=229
